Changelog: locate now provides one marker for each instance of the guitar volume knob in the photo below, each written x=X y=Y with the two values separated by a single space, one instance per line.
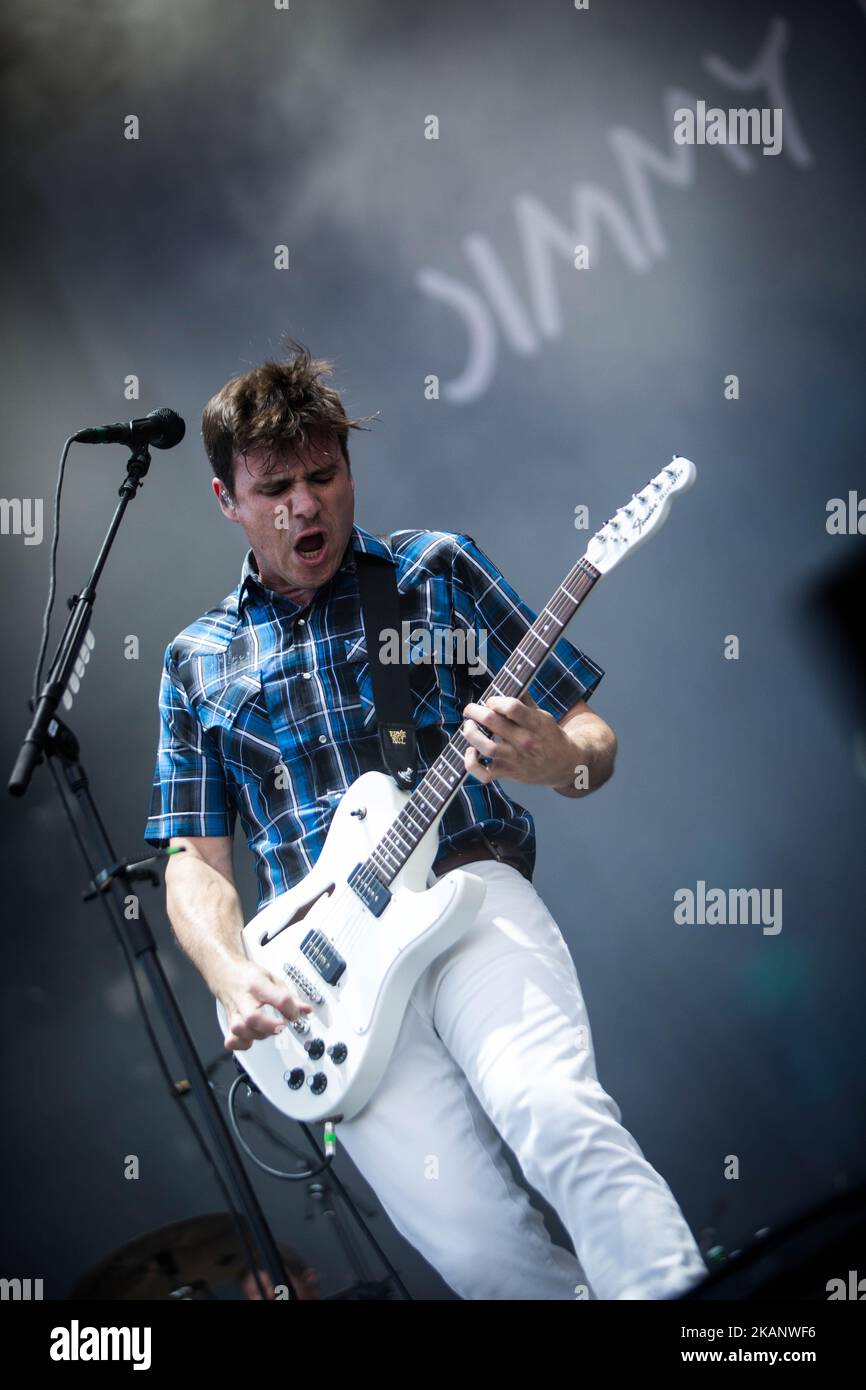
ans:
x=317 y=1083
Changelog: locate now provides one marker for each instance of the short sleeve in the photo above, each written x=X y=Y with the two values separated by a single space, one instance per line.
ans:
x=484 y=599
x=189 y=795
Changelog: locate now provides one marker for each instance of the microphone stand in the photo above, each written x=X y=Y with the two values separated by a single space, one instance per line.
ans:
x=49 y=737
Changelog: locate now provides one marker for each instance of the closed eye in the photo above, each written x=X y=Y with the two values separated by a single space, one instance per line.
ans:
x=318 y=478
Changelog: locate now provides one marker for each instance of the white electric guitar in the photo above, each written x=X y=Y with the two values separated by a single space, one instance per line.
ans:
x=353 y=937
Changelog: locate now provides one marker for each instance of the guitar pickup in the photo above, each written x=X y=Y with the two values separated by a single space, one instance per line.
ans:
x=370 y=889
x=325 y=957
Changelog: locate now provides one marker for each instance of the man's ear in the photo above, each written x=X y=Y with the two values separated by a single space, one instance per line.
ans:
x=224 y=497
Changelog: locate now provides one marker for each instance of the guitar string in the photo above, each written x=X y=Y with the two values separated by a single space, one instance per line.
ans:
x=387 y=845
x=404 y=827
x=346 y=933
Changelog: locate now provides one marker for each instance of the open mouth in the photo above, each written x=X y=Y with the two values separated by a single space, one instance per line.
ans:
x=311 y=547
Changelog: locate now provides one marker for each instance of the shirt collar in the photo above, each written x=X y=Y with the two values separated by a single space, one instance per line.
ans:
x=360 y=540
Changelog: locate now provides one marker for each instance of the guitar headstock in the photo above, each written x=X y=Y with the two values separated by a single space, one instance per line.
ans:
x=638 y=519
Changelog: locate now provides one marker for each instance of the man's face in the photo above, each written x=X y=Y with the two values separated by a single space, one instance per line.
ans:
x=282 y=499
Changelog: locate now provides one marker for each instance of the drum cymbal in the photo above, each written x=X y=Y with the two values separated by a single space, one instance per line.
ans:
x=197 y=1255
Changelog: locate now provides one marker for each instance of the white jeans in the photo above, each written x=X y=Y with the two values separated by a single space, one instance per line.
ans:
x=496 y=1042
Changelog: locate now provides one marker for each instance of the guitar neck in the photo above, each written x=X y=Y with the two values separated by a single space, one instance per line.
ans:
x=442 y=780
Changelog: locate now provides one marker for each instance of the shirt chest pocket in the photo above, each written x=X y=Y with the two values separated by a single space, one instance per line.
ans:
x=438 y=679
x=231 y=708
x=222 y=700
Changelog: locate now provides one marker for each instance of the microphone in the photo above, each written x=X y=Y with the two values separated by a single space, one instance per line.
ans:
x=161 y=428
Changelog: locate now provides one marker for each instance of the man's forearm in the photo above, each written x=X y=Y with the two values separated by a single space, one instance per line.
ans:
x=592 y=754
x=206 y=916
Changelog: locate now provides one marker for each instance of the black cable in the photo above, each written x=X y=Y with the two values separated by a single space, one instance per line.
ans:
x=52 y=582
x=297 y=1177
x=265 y=1167
x=257 y=1120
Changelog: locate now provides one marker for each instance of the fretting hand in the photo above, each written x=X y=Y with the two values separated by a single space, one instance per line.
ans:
x=531 y=746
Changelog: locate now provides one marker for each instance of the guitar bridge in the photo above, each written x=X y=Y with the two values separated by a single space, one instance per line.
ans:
x=304 y=984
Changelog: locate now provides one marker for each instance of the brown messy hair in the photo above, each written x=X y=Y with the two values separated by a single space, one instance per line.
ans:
x=283 y=405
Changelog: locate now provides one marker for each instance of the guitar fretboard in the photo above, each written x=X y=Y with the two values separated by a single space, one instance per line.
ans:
x=442 y=780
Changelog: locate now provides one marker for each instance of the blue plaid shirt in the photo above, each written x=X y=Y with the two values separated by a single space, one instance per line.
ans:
x=267 y=708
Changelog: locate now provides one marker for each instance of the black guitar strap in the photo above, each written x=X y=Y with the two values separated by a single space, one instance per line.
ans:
x=392 y=696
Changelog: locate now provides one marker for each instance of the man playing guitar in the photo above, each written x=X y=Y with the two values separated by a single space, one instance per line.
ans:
x=267 y=713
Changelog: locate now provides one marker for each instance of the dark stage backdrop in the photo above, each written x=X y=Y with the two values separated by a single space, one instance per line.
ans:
x=430 y=170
